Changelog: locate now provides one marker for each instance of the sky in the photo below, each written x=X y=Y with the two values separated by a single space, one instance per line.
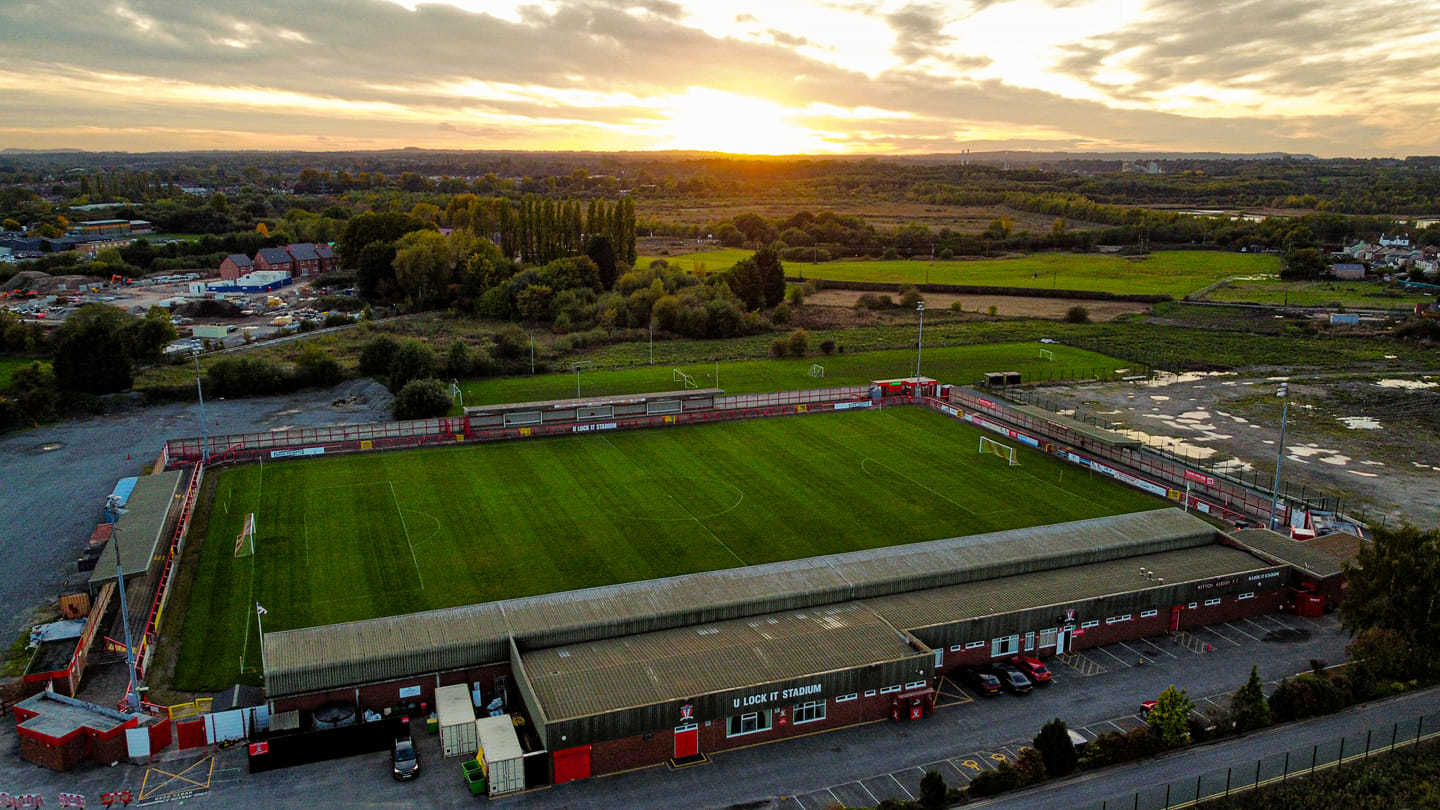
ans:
x=1327 y=77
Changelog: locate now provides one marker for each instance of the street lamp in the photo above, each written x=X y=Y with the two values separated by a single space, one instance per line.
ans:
x=1284 y=395
x=919 y=341
x=112 y=506
x=204 y=430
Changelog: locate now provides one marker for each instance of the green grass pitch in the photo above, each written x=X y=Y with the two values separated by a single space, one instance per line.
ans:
x=355 y=537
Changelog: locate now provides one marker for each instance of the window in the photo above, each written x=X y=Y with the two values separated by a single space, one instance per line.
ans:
x=915 y=685
x=1089 y=623
x=1246 y=595
x=1047 y=638
x=869 y=693
x=885 y=690
x=748 y=723
x=808 y=712
x=1148 y=614
x=1029 y=641
x=1005 y=645
x=974 y=645
x=847 y=698
x=956 y=647
x=1118 y=619
x=1211 y=602
x=1192 y=605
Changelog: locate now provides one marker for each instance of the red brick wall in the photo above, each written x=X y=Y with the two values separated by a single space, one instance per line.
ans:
x=61 y=757
x=378 y=696
x=231 y=271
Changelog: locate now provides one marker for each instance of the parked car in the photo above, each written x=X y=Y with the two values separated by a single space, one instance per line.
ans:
x=1011 y=678
x=1146 y=707
x=404 y=761
x=982 y=681
x=1033 y=668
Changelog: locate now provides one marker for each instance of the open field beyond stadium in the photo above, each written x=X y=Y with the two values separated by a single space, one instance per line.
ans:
x=1164 y=272
x=1358 y=294
x=348 y=538
x=959 y=364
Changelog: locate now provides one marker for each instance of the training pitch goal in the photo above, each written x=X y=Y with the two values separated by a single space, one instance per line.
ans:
x=1005 y=451
x=817 y=370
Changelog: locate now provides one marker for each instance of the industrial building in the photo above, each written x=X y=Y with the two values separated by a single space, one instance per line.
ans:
x=613 y=678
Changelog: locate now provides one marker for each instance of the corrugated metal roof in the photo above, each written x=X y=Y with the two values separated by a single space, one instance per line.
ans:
x=1321 y=557
x=140 y=529
x=1089 y=431
x=918 y=609
x=601 y=676
x=615 y=399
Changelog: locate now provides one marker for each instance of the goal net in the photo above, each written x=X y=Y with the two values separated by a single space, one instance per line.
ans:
x=817 y=370
x=245 y=540
x=676 y=375
x=1046 y=354
x=1005 y=451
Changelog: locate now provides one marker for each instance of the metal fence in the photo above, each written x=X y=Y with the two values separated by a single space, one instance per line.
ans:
x=1278 y=767
x=793 y=397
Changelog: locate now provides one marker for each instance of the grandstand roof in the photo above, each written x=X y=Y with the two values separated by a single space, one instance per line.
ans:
x=1321 y=557
x=564 y=404
x=140 y=530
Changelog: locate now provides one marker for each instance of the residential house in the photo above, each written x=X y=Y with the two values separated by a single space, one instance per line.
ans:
x=327 y=257
x=307 y=261
x=276 y=258
x=235 y=265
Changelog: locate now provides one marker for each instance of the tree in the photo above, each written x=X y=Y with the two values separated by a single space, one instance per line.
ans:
x=457 y=361
x=367 y=228
x=422 y=399
x=1248 y=707
x=601 y=250
x=424 y=264
x=1077 y=314
x=1392 y=587
x=534 y=302
x=1378 y=657
x=932 y=791
x=10 y=224
x=1301 y=264
x=412 y=361
x=91 y=350
x=772 y=275
x=798 y=342
x=316 y=368
x=148 y=337
x=1053 y=743
x=1169 y=721
x=377 y=355
x=375 y=270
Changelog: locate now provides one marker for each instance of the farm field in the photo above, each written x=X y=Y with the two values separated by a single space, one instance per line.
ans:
x=348 y=538
x=952 y=364
x=1175 y=272
x=1357 y=294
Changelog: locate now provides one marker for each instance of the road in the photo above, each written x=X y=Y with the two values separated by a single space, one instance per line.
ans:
x=1093 y=789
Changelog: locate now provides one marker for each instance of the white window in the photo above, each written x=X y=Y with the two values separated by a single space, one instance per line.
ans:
x=869 y=693
x=1247 y=595
x=1005 y=645
x=1148 y=614
x=1047 y=638
x=847 y=698
x=1125 y=617
x=1211 y=602
x=1029 y=641
x=915 y=685
x=956 y=647
x=808 y=712
x=885 y=690
x=1192 y=605
x=1089 y=623
x=974 y=645
x=750 y=723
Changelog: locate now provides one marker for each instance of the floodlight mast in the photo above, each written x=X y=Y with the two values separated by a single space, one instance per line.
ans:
x=200 y=393
x=1284 y=394
x=919 y=342
x=112 y=507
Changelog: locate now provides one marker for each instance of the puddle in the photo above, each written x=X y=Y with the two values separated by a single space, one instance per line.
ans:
x=1195 y=415
x=1337 y=460
x=1159 y=398
x=1174 y=445
x=1363 y=474
x=1359 y=422
x=1164 y=378
x=1411 y=385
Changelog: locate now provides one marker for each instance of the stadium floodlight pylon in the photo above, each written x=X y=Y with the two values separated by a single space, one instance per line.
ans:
x=1005 y=451
x=817 y=370
x=245 y=540
x=676 y=375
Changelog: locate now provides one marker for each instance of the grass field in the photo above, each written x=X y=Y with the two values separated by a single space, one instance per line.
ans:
x=10 y=365
x=1166 y=272
x=348 y=538
x=951 y=364
x=1357 y=294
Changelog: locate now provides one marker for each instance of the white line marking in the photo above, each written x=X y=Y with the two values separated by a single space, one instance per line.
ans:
x=1133 y=650
x=1113 y=655
x=1117 y=726
x=902 y=787
x=1159 y=648
x=833 y=796
x=867 y=791
x=692 y=515
x=404 y=528
x=1263 y=628
x=1212 y=631
x=797 y=801
x=1241 y=632
x=942 y=496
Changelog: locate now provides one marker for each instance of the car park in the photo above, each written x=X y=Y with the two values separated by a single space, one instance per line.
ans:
x=1033 y=668
x=1011 y=678
x=982 y=681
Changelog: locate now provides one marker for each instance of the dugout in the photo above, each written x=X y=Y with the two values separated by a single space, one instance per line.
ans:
x=590 y=409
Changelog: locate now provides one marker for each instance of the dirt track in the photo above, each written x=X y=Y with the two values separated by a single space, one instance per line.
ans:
x=1010 y=306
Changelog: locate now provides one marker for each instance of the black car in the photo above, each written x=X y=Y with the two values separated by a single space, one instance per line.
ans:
x=982 y=681
x=405 y=763
x=1011 y=678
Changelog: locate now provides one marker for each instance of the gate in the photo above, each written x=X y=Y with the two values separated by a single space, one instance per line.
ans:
x=191 y=733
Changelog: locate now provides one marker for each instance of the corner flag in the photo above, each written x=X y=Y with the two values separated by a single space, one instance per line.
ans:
x=245 y=541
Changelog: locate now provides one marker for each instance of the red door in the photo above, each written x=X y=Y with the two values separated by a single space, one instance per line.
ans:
x=572 y=764
x=190 y=733
x=1175 y=618
x=687 y=741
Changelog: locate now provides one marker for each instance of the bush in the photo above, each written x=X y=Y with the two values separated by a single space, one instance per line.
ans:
x=805 y=254
x=796 y=296
x=422 y=399
x=827 y=347
x=781 y=315
x=1053 y=743
x=1169 y=719
x=798 y=342
x=1116 y=747
x=457 y=360
x=511 y=343
x=909 y=297
x=1307 y=695
x=316 y=368
x=246 y=377
x=336 y=319
x=932 y=791
x=1077 y=314
x=376 y=355
x=946 y=254
x=1029 y=768
x=1248 y=707
x=990 y=783
x=778 y=347
x=413 y=361
x=873 y=301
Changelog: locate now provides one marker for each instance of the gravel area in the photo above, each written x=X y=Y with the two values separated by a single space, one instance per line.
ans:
x=57 y=476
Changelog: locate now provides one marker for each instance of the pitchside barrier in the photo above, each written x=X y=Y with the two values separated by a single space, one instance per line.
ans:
x=304 y=442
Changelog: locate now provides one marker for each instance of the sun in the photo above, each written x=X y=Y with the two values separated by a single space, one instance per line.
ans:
x=719 y=121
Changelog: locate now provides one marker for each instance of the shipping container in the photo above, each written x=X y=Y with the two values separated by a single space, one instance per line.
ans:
x=457 y=720
x=501 y=754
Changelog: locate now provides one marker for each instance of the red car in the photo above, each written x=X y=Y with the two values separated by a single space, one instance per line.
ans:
x=1033 y=668
x=1146 y=707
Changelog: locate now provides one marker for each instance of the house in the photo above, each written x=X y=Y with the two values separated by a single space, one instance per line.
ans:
x=307 y=261
x=235 y=265
x=1348 y=272
x=1397 y=241
x=327 y=257
x=276 y=258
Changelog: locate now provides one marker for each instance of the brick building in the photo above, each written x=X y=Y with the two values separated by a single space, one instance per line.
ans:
x=276 y=259
x=235 y=265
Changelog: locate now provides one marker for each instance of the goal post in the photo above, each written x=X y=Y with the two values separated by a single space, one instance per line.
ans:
x=1005 y=451
x=676 y=375
x=1046 y=354
x=245 y=540
x=817 y=370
